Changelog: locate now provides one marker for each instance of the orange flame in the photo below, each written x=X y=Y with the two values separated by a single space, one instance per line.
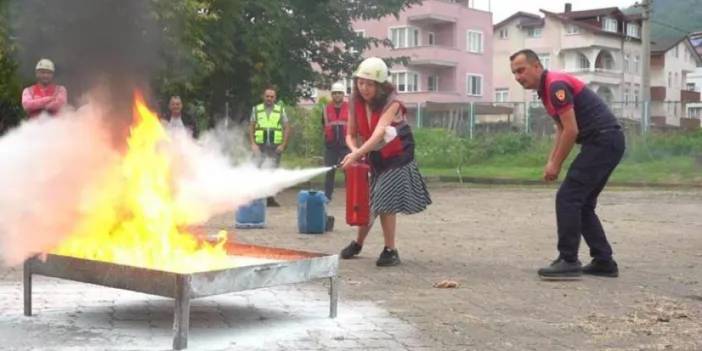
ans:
x=134 y=220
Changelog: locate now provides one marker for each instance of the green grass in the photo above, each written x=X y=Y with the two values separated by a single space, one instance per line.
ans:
x=656 y=159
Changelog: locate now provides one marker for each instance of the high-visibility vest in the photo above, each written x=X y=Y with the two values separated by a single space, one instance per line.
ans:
x=269 y=124
x=334 y=123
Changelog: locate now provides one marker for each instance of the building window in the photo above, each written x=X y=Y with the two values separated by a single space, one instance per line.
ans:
x=545 y=60
x=583 y=62
x=636 y=95
x=474 y=85
x=637 y=58
x=676 y=82
x=501 y=95
x=503 y=33
x=609 y=25
x=404 y=37
x=670 y=79
x=626 y=94
x=534 y=32
x=349 y=86
x=633 y=30
x=626 y=63
x=361 y=33
x=677 y=52
x=474 y=41
x=433 y=82
x=405 y=82
x=690 y=86
x=431 y=37
x=572 y=29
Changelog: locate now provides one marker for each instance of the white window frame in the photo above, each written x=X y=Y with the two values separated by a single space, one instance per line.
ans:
x=431 y=38
x=406 y=38
x=469 y=90
x=395 y=75
x=572 y=29
x=610 y=24
x=501 y=94
x=633 y=30
x=362 y=34
x=545 y=59
x=535 y=32
x=481 y=44
x=637 y=64
x=626 y=67
x=436 y=82
x=503 y=34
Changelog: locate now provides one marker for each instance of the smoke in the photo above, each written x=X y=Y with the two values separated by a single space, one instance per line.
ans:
x=93 y=42
x=58 y=169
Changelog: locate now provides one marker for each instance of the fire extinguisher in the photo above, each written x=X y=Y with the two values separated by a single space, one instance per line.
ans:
x=358 y=194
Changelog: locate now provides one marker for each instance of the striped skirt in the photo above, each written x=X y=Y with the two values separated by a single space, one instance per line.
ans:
x=399 y=190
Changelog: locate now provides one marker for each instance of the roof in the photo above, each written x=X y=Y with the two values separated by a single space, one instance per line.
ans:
x=584 y=25
x=661 y=45
x=524 y=15
x=593 y=13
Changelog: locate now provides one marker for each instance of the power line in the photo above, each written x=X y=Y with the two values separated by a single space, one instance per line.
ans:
x=671 y=27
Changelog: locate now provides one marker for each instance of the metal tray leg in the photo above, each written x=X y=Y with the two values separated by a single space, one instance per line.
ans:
x=333 y=296
x=181 y=314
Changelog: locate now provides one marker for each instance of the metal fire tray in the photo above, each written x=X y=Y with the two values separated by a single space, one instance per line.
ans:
x=293 y=267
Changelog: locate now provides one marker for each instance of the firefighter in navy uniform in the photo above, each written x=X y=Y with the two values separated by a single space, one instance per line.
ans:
x=581 y=117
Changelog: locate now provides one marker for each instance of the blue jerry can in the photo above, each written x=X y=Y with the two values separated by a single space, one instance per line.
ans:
x=311 y=212
x=252 y=215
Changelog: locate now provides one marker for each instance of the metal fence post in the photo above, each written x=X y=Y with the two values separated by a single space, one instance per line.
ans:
x=419 y=115
x=471 y=120
x=527 y=127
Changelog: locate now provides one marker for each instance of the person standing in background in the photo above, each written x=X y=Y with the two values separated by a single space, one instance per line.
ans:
x=44 y=96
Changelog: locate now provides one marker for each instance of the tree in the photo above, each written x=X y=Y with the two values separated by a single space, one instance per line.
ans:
x=233 y=49
x=10 y=86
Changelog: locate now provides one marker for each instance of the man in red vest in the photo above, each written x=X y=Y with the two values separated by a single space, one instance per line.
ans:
x=44 y=96
x=336 y=116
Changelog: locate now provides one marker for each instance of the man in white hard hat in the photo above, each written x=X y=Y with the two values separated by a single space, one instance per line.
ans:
x=44 y=96
x=334 y=120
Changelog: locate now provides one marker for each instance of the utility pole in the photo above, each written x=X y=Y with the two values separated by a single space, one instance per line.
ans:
x=646 y=6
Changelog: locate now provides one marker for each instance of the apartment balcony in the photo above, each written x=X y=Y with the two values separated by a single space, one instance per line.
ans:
x=658 y=93
x=432 y=12
x=430 y=56
x=580 y=42
x=598 y=75
x=689 y=96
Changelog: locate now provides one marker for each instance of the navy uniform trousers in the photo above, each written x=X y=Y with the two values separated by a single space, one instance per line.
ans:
x=576 y=199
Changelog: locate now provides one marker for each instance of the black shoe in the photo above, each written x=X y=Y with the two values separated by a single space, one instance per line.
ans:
x=330 y=224
x=561 y=269
x=351 y=250
x=270 y=202
x=602 y=268
x=388 y=258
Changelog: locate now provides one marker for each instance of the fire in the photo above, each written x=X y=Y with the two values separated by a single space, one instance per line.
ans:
x=133 y=219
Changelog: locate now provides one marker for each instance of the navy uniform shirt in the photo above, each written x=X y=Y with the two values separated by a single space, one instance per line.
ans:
x=560 y=92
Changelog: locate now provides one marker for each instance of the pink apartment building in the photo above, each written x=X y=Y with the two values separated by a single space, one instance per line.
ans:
x=449 y=46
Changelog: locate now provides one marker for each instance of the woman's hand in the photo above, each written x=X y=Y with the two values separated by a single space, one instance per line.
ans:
x=350 y=158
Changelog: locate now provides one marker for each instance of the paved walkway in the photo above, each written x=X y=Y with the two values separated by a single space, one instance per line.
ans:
x=490 y=240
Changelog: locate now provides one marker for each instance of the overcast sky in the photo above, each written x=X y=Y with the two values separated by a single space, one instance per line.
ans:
x=502 y=9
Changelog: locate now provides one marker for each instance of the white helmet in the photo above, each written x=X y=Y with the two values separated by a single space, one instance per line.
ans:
x=372 y=68
x=338 y=87
x=45 y=64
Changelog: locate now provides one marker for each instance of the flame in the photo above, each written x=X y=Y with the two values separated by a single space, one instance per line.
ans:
x=133 y=219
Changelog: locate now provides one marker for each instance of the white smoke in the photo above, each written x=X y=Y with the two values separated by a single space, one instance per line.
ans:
x=53 y=169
